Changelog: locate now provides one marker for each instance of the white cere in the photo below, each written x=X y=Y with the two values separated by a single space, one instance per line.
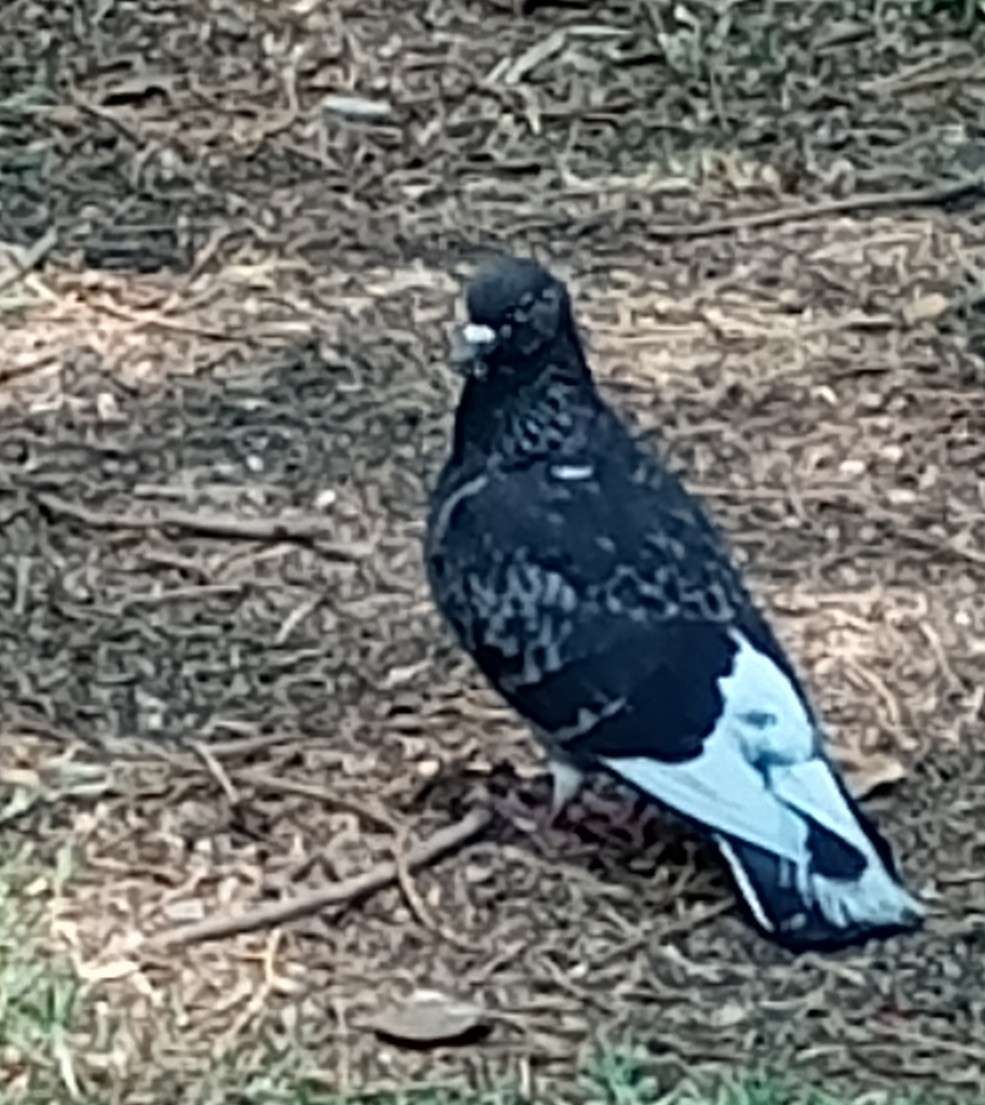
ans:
x=477 y=334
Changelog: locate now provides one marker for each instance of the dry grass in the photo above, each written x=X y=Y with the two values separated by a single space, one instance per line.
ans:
x=242 y=315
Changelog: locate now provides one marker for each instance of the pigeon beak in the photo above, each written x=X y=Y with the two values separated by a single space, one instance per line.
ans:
x=471 y=345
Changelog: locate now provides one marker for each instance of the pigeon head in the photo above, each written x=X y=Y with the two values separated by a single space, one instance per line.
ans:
x=517 y=310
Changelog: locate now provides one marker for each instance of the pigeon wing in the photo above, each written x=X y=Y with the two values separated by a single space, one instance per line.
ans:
x=597 y=598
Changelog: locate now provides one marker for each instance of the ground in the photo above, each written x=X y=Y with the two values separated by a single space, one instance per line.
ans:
x=234 y=235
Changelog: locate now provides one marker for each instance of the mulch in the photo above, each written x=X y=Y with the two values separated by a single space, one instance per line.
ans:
x=234 y=238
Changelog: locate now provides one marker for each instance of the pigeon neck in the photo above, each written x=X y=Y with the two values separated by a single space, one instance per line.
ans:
x=520 y=420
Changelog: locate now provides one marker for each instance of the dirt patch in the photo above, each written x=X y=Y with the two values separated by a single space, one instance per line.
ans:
x=226 y=400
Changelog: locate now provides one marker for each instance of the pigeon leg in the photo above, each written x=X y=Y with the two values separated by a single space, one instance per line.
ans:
x=566 y=779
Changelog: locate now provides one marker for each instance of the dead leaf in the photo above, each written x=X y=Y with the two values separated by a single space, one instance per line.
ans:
x=926 y=308
x=429 y=1019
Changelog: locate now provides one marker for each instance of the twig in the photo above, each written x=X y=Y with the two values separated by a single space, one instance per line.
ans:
x=31 y=257
x=158 y=321
x=843 y=496
x=178 y=594
x=927 y=74
x=96 y=111
x=941 y=544
x=15 y=371
x=659 y=936
x=304 y=905
x=923 y=1040
x=267 y=781
x=259 y=1000
x=245 y=745
x=912 y=197
x=305 y=528
x=217 y=771
x=415 y=903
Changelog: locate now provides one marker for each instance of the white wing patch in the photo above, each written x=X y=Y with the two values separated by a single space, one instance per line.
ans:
x=758 y=776
x=764 y=711
x=722 y=790
x=812 y=788
x=727 y=787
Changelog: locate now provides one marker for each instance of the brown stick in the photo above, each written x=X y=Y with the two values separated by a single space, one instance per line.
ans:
x=210 y=525
x=911 y=197
x=15 y=371
x=266 y=780
x=245 y=746
x=415 y=903
x=304 y=905
x=162 y=322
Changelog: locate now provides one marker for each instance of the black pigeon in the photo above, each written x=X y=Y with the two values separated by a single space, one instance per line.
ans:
x=597 y=598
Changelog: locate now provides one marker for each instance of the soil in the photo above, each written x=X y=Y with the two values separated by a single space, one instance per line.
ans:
x=234 y=238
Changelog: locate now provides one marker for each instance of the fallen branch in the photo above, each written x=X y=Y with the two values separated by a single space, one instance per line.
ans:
x=909 y=197
x=306 y=528
x=304 y=905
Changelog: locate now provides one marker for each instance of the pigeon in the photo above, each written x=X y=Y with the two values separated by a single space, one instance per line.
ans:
x=599 y=600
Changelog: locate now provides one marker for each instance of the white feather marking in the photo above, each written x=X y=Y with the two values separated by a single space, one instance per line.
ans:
x=720 y=789
x=450 y=505
x=744 y=883
x=874 y=898
x=573 y=471
x=811 y=787
x=763 y=709
x=802 y=780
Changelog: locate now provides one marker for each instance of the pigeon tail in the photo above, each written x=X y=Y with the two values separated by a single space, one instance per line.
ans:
x=849 y=886
x=806 y=910
x=813 y=870
x=806 y=884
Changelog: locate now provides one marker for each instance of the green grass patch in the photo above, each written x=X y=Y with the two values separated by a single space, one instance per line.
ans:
x=621 y=1078
x=615 y=1078
x=42 y=1010
x=39 y=997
